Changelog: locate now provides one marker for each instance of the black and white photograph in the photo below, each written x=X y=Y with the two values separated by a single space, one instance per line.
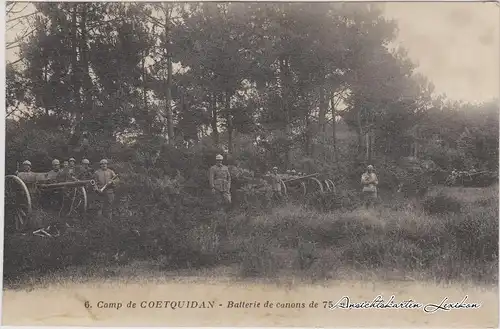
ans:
x=251 y=164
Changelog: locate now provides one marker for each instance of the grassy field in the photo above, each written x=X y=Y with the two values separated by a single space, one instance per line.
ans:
x=451 y=236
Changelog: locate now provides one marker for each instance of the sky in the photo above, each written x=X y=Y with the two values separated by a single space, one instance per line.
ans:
x=455 y=44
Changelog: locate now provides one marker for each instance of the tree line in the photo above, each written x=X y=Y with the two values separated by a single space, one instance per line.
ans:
x=267 y=83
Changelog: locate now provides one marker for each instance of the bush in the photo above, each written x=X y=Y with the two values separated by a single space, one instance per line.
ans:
x=441 y=204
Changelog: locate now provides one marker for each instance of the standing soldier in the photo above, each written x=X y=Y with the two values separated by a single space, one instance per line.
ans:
x=55 y=173
x=72 y=167
x=27 y=176
x=369 y=181
x=276 y=184
x=54 y=197
x=69 y=171
x=26 y=173
x=85 y=172
x=220 y=180
x=105 y=178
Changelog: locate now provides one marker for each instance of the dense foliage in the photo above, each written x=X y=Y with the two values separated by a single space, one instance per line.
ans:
x=267 y=83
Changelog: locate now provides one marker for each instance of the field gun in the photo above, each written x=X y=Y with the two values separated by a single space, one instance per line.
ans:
x=76 y=183
x=26 y=192
x=301 y=185
x=300 y=177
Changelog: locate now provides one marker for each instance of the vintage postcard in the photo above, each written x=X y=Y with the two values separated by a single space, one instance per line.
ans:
x=258 y=164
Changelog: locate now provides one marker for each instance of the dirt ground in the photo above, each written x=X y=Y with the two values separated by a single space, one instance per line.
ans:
x=64 y=304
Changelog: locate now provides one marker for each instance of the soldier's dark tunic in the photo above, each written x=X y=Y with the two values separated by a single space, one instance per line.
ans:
x=369 y=182
x=85 y=173
x=102 y=177
x=220 y=180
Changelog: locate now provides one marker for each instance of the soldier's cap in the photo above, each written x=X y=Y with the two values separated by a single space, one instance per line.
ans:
x=275 y=168
x=219 y=157
x=85 y=161
x=55 y=161
x=103 y=161
x=369 y=167
x=27 y=163
x=293 y=170
x=72 y=159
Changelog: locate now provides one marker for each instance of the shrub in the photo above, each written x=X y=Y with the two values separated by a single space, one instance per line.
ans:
x=441 y=204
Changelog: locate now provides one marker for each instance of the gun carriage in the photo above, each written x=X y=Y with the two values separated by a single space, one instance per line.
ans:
x=300 y=186
x=472 y=179
x=33 y=191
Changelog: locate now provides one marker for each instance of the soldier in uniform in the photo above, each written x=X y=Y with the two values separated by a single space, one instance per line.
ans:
x=72 y=167
x=220 y=180
x=369 y=181
x=28 y=176
x=26 y=173
x=69 y=171
x=276 y=185
x=54 y=197
x=55 y=173
x=104 y=176
x=85 y=172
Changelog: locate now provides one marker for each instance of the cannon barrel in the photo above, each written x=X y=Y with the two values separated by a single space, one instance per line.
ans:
x=77 y=183
x=301 y=177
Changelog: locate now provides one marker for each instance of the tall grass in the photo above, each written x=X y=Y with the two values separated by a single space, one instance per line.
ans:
x=434 y=239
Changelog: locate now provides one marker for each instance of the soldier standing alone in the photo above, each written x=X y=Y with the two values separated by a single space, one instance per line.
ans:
x=104 y=176
x=220 y=180
x=276 y=185
x=369 y=181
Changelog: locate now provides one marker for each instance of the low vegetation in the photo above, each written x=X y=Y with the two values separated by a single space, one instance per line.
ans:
x=434 y=240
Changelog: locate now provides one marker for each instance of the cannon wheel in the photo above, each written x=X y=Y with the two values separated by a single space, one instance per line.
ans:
x=298 y=190
x=304 y=189
x=17 y=202
x=283 y=186
x=77 y=201
x=327 y=184
x=319 y=184
x=333 y=188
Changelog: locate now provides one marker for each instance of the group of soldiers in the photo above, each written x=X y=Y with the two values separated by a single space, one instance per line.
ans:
x=219 y=179
x=105 y=179
x=220 y=182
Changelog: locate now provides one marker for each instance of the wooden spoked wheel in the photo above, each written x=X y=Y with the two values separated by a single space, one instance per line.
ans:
x=332 y=186
x=18 y=204
x=283 y=188
x=316 y=185
x=297 y=189
x=72 y=200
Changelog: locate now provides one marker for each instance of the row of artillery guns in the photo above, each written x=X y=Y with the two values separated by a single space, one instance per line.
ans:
x=28 y=192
